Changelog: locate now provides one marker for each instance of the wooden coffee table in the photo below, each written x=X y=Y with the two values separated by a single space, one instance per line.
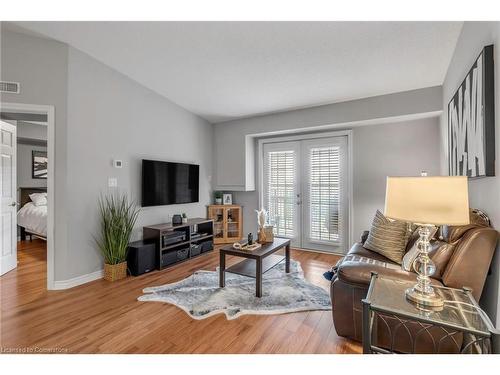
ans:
x=257 y=262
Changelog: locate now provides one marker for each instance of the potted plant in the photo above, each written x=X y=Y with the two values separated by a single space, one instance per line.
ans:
x=218 y=197
x=117 y=219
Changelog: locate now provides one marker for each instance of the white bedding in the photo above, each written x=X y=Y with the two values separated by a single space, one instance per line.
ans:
x=33 y=218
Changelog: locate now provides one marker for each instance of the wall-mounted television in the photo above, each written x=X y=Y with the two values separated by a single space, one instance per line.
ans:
x=169 y=183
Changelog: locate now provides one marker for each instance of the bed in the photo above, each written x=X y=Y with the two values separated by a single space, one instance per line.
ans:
x=32 y=219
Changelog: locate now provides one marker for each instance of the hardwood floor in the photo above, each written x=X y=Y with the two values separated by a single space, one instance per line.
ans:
x=104 y=317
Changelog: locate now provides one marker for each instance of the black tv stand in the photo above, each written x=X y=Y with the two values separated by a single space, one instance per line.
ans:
x=188 y=247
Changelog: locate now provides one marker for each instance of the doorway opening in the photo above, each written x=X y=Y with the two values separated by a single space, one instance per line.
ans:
x=27 y=182
x=306 y=188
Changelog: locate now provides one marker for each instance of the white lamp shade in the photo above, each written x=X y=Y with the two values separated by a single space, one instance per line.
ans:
x=428 y=200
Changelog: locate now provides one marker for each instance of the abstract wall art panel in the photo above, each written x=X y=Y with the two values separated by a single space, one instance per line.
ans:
x=471 y=121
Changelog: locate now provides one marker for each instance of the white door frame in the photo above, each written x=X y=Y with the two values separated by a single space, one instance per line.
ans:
x=48 y=110
x=338 y=133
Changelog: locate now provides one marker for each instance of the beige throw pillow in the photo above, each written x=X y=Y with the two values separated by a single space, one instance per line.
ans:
x=388 y=237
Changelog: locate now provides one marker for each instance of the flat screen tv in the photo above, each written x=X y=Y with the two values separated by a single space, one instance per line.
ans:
x=169 y=183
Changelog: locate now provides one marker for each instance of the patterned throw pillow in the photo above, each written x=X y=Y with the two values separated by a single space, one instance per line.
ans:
x=388 y=237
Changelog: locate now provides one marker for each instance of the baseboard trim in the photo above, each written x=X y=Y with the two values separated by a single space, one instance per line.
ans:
x=318 y=251
x=70 y=283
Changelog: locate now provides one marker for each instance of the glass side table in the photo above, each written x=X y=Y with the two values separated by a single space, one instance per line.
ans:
x=391 y=324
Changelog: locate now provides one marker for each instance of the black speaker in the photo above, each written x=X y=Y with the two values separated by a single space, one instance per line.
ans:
x=141 y=257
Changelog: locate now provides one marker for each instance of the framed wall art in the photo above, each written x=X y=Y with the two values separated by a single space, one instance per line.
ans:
x=39 y=164
x=471 y=121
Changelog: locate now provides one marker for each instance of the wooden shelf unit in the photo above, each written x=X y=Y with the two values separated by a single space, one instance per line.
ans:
x=155 y=233
x=228 y=222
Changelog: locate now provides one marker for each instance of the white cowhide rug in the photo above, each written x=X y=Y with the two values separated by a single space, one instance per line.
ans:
x=200 y=296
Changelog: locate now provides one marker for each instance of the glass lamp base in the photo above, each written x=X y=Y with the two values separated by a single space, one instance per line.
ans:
x=425 y=300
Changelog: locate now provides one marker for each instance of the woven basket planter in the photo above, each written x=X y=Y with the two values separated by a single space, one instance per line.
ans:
x=114 y=272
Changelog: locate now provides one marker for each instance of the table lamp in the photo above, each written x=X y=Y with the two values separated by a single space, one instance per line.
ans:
x=427 y=202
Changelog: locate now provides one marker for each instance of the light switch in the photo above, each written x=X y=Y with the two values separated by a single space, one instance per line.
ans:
x=112 y=182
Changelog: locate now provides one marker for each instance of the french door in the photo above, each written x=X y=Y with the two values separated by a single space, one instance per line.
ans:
x=305 y=191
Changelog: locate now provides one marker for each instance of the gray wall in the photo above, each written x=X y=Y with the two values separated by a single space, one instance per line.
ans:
x=483 y=192
x=111 y=116
x=379 y=151
x=100 y=115
x=24 y=173
x=232 y=158
x=31 y=131
x=41 y=66
x=232 y=137
x=398 y=149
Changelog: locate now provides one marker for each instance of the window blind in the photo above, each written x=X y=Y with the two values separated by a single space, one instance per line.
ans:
x=325 y=194
x=281 y=191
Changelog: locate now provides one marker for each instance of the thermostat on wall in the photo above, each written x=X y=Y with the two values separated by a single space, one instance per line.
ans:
x=117 y=163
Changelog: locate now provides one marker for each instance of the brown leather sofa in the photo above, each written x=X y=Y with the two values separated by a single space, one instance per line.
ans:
x=462 y=255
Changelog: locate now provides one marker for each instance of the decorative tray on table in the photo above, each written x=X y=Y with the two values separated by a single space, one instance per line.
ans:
x=245 y=246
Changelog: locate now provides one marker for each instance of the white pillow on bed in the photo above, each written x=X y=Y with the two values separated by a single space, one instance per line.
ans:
x=39 y=199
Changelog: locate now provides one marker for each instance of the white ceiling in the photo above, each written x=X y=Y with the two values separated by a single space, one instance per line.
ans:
x=227 y=70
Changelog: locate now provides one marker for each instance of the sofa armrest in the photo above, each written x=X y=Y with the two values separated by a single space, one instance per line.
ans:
x=357 y=271
x=364 y=236
x=471 y=260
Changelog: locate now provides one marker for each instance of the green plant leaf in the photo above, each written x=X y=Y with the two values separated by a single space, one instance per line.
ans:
x=117 y=219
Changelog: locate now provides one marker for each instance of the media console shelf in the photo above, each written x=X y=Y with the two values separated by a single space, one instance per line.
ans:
x=177 y=243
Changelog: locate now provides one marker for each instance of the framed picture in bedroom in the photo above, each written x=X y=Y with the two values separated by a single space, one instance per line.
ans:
x=471 y=121
x=39 y=164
